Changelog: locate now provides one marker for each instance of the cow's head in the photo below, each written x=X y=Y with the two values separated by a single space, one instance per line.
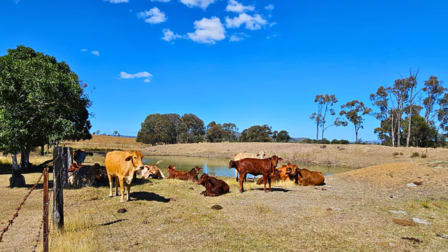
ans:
x=260 y=155
x=203 y=179
x=233 y=164
x=196 y=170
x=171 y=167
x=135 y=157
x=275 y=160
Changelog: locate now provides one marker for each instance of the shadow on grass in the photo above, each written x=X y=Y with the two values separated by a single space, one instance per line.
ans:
x=274 y=189
x=149 y=196
x=112 y=222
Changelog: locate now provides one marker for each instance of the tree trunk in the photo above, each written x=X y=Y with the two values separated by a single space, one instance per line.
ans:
x=317 y=131
x=409 y=127
x=16 y=179
x=42 y=150
x=398 y=129
x=409 y=118
x=356 y=135
x=392 y=130
x=25 y=160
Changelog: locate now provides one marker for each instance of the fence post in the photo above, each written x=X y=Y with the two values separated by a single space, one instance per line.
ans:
x=46 y=206
x=58 y=193
x=68 y=153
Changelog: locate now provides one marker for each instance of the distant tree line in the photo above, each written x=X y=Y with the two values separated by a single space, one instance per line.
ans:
x=409 y=114
x=173 y=128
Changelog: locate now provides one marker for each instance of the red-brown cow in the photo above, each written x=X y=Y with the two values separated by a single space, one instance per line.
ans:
x=182 y=175
x=307 y=177
x=283 y=173
x=213 y=186
x=255 y=167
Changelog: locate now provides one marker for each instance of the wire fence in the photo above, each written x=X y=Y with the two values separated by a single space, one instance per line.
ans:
x=44 y=221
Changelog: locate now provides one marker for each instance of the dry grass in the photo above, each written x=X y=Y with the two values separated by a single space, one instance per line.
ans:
x=355 y=156
x=345 y=215
x=101 y=143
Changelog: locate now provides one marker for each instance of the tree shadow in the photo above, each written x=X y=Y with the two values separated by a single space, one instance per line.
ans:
x=149 y=196
x=274 y=189
x=112 y=222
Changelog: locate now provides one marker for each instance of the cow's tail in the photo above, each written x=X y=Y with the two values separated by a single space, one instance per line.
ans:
x=158 y=162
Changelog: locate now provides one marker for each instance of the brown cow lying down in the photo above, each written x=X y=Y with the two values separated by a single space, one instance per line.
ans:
x=122 y=166
x=182 y=175
x=213 y=186
x=283 y=173
x=155 y=172
x=306 y=177
x=255 y=167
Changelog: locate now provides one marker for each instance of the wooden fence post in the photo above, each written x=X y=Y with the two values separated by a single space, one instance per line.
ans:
x=58 y=193
x=68 y=160
x=46 y=206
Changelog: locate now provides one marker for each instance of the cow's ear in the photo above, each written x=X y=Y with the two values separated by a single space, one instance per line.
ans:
x=129 y=158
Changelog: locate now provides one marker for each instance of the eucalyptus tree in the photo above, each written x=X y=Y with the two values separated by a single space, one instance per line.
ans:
x=433 y=90
x=41 y=101
x=354 y=111
x=325 y=105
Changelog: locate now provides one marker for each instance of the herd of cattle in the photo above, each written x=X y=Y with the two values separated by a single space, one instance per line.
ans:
x=122 y=166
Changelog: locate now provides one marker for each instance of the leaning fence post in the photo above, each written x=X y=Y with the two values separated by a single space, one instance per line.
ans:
x=45 y=214
x=58 y=195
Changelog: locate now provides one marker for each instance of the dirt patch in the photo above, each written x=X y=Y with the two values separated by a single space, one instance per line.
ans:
x=395 y=175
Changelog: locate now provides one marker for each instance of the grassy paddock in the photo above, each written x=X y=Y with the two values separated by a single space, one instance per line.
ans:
x=344 y=215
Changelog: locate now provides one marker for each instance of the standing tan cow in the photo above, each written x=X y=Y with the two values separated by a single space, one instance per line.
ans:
x=122 y=165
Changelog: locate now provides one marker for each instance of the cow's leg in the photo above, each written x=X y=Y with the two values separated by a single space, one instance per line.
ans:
x=269 y=180
x=242 y=176
x=236 y=175
x=129 y=191
x=265 y=179
x=120 y=179
x=111 y=184
x=116 y=186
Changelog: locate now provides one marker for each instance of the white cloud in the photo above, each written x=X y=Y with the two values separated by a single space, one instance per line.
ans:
x=208 y=31
x=147 y=76
x=269 y=7
x=254 y=22
x=234 y=6
x=95 y=52
x=117 y=1
x=198 y=3
x=153 y=16
x=235 y=38
x=161 y=1
x=169 y=35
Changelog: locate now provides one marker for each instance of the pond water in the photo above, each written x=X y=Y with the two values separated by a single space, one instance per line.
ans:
x=219 y=167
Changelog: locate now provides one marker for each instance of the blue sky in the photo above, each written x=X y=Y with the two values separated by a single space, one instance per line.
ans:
x=247 y=62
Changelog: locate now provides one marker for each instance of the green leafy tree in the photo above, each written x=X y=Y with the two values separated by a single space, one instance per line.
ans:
x=283 y=136
x=354 y=112
x=41 y=102
x=257 y=133
x=190 y=129
x=159 y=128
x=423 y=133
x=215 y=133
x=230 y=131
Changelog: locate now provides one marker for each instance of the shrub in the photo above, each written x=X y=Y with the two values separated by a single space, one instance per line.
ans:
x=415 y=154
x=423 y=155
